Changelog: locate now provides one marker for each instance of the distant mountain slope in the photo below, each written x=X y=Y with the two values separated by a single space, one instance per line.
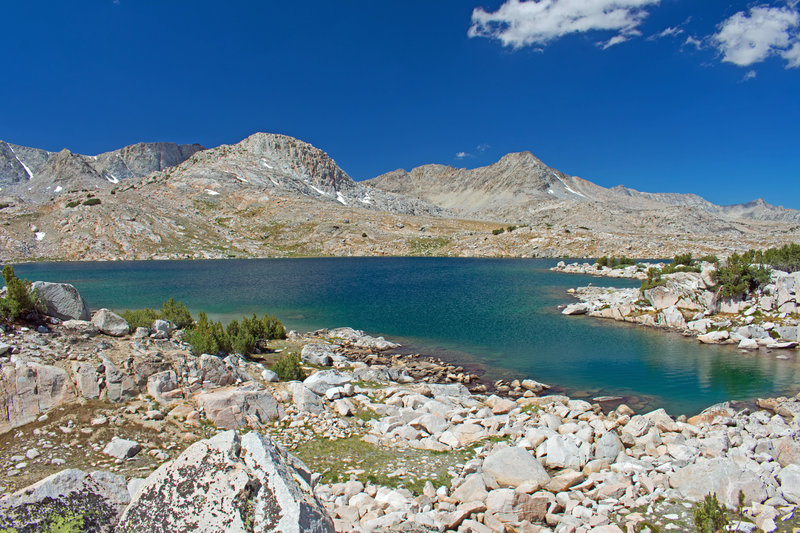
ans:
x=521 y=188
x=275 y=163
x=37 y=175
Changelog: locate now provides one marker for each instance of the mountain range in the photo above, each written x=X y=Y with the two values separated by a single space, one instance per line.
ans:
x=273 y=195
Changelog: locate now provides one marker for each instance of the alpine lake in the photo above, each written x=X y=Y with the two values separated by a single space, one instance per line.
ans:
x=497 y=316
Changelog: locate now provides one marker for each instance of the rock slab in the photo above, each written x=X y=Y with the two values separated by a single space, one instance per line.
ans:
x=73 y=499
x=232 y=484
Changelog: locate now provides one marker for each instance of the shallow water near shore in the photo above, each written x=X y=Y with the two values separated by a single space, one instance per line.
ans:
x=499 y=314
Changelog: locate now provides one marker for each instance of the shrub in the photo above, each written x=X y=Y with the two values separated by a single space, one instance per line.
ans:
x=74 y=203
x=710 y=258
x=207 y=336
x=653 y=279
x=710 y=515
x=177 y=313
x=511 y=228
x=498 y=231
x=244 y=337
x=288 y=368
x=18 y=300
x=683 y=259
x=738 y=276
x=92 y=201
x=139 y=318
x=602 y=261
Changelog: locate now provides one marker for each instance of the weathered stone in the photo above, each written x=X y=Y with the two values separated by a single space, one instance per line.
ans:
x=321 y=381
x=512 y=466
x=580 y=308
x=28 y=389
x=562 y=452
x=86 y=378
x=163 y=386
x=608 y=447
x=110 y=323
x=119 y=386
x=214 y=370
x=787 y=450
x=239 y=407
x=61 y=300
x=305 y=399
x=77 y=500
x=714 y=337
x=228 y=484
x=721 y=476
x=318 y=354
x=80 y=327
x=473 y=488
x=789 y=478
x=122 y=448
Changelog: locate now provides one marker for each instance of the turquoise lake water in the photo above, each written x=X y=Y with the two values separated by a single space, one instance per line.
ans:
x=499 y=314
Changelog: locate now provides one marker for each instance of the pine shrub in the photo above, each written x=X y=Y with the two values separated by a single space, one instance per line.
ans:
x=288 y=368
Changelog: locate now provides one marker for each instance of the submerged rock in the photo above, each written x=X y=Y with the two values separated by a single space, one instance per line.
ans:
x=232 y=484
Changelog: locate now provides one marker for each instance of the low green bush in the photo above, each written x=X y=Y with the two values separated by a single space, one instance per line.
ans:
x=92 y=201
x=74 y=203
x=139 y=318
x=288 y=368
x=246 y=336
x=174 y=312
x=18 y=300
x=177 y=313
x=710 y=515
x=498 y=231
x=738 y=276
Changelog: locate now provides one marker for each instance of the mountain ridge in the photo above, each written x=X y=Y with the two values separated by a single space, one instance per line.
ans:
x=272 y=195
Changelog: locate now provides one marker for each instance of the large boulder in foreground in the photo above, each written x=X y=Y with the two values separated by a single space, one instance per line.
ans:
x=232 y=484
x=71 y=500
x=61 y=300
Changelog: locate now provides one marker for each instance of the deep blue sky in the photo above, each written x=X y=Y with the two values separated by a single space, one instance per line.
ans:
x=382 y=85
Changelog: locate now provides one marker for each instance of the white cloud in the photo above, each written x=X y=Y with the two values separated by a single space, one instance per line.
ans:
x=747 y=38
x=693 y=41
x=750 y=75
x=463 y=155
x=671 y=31
x=519 y=23
x=482 y=147
x=792 y=56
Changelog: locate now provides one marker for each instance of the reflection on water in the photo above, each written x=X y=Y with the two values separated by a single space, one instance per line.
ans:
x=500 y=314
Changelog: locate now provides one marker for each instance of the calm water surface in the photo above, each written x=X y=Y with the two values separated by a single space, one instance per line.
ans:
x=497 y=313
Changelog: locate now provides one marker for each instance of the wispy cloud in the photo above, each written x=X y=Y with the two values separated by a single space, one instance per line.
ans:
x=671 y=31
x=694 y=41
x=748 y=38
x=482 y=147
x=749 y=75
x=519 y=23
x=463 y=155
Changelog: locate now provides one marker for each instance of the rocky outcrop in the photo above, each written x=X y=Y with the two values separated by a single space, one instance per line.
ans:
x=28 y=389
x=239 y=407
x=70 y=500
x=61 y=300
x=228 y=483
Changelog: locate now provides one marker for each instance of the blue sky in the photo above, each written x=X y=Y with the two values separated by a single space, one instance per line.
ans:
x=659 y=95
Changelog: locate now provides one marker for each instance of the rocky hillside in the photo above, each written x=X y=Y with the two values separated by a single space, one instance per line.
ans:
x=520 y=188
x=272 y=195
x=38 y=176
